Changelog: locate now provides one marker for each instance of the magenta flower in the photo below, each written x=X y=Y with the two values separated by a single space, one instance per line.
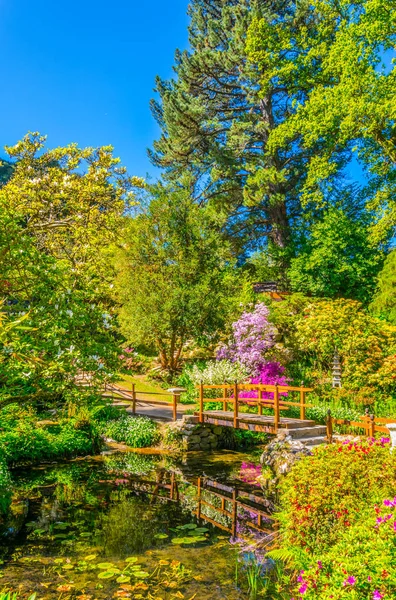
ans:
x=377 y=595
x=369 y=578
x=394 y=526
x=303 y=588
x=320 y=564
x=300 y=578
x=388 y=503
x=350 y=581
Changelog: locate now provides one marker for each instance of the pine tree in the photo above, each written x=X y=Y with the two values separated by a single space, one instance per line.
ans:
x=218 y=113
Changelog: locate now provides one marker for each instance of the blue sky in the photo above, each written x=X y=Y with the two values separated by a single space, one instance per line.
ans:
x=83 y=71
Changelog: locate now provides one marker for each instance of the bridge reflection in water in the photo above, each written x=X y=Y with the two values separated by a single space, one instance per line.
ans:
x=238 y=509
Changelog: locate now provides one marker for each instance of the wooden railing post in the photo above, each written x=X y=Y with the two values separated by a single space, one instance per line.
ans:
x=133 y=399
x=329 y=427
x=201 y=402
x=225 y=397
x=372 y=426
x=276 y=408
x=302 y=403
x=260 y=406
x=174 y=402
x=236 y=400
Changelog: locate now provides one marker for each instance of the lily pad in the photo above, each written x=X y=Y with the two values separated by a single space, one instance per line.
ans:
x=67 y=567
x=141 y=574
x=187 y=526
x=105 y=566
x=123 y=579
x=106 y=574
x=200 y=530
x=131 y=559
x=161 y=536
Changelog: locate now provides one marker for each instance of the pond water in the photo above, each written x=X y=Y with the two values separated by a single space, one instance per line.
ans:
x=138 y=525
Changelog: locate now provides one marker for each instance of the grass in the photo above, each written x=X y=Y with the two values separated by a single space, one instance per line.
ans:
x=143 y=387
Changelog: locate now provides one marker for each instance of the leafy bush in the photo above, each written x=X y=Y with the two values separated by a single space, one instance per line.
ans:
x=338 y=522
x=29 y=443
x=325 y=493
x=14 y=596
x=137 y=432
x=361 y=565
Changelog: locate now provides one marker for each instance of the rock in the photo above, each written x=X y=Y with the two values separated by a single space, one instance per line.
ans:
x=204 y=432
x=194 y=447
x=194 y=439
x=282 y=453
x=217 y=430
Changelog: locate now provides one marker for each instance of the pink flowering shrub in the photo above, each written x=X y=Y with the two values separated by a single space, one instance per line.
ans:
x=270 y=373
x=361 y=565
x=338 y=522
x=253 y=336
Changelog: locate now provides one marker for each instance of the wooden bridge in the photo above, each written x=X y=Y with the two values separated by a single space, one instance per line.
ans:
x=271 y=398
x=242 y=412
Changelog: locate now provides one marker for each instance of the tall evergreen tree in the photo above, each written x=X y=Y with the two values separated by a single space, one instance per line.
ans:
x=218 y=113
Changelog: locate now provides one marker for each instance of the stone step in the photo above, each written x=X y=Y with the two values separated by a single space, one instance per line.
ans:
x=307 y=432
x=314 y=441
x=297 y=424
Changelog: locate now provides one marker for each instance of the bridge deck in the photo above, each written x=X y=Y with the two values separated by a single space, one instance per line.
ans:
x=264 y=423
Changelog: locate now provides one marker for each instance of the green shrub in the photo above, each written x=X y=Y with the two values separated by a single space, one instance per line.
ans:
x=137 y=432
x=361 y=565
x=14 y=596
x=326 y=492
x=328 y=522
x=28 y=443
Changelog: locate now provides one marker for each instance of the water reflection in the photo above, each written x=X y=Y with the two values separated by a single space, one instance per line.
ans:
x=120 y=505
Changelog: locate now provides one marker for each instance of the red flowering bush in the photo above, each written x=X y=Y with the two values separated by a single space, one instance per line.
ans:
x=325 y=493
x=362 y=565
x=338 y=523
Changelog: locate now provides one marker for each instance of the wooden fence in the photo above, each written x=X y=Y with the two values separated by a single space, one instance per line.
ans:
x=135 y=396
x=369 y=422
x=231 y=395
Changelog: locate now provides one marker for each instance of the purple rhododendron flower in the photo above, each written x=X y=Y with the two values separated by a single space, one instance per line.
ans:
x=253 y=336
x=377 y=595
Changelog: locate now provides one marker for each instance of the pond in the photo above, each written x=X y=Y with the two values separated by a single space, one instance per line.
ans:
x=138 y=525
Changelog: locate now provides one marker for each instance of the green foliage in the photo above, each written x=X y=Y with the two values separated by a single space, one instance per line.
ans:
x=174 y=275
x=337 y=259
x=27 y=442
x=5 y=485
x=59 y=214
x=326 y=493
x=15 y=596
x=366 y=345
x=332 y=60
x=337 y=522
x=137 y=432
x=384 y=303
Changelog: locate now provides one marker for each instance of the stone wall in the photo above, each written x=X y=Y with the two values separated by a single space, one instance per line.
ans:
x=199 y=436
